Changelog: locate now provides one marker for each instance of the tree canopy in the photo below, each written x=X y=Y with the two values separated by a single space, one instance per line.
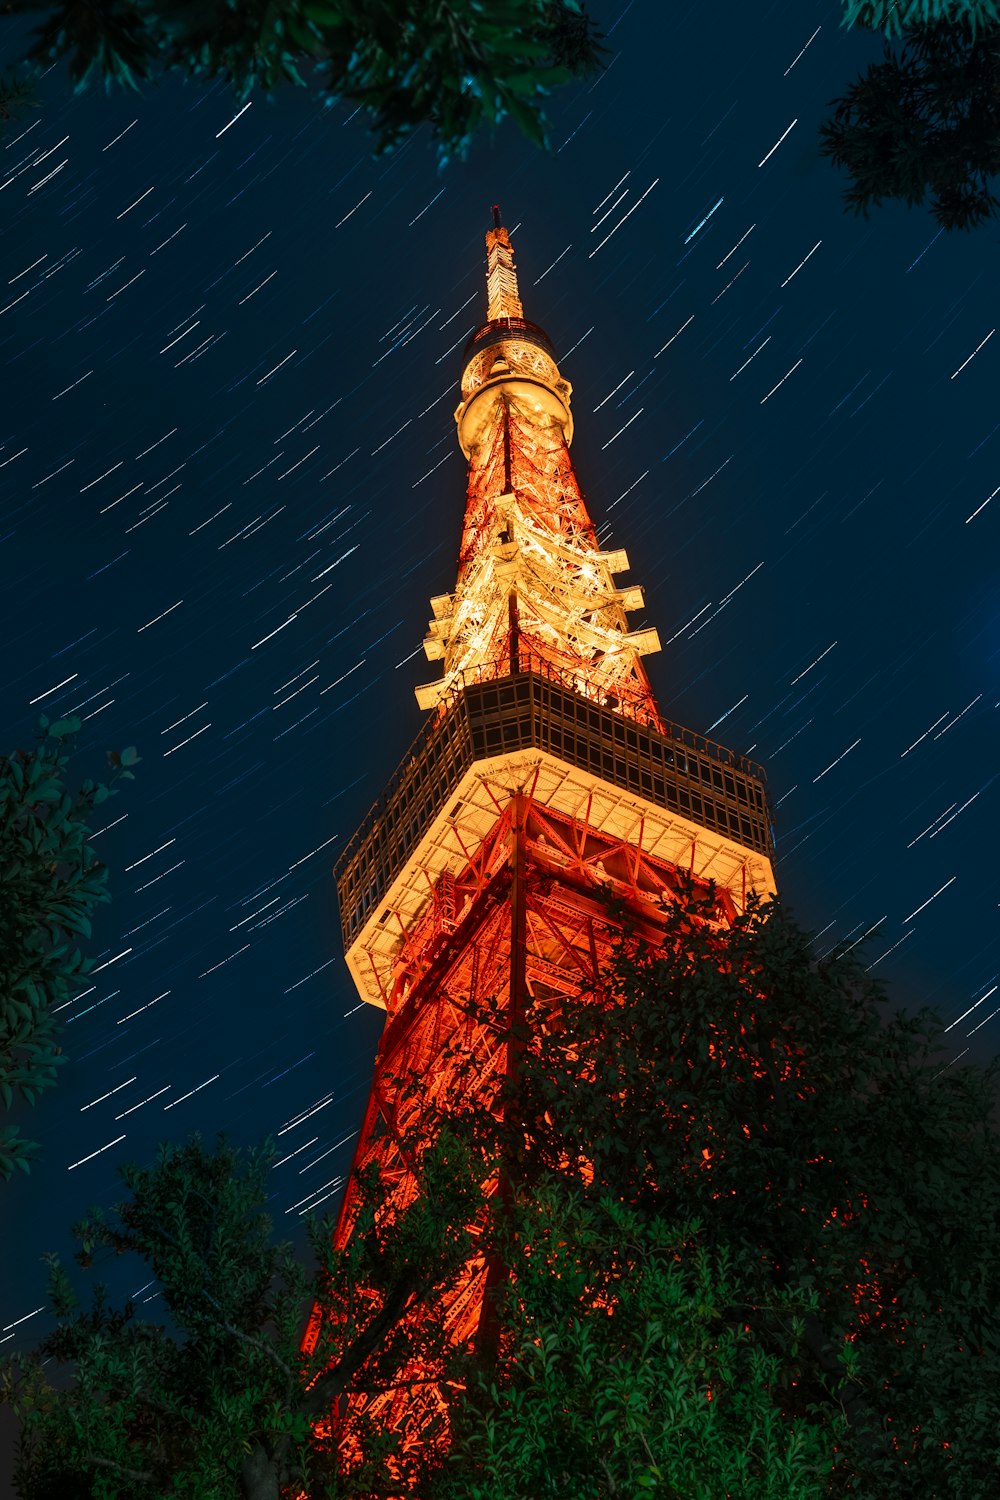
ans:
x=923 y=125
x=459 y=67
x=895 y=16
x=847 y=1187
x=51 y=882
x=624 y=1372
x=218 y=1399
x=747 y=1241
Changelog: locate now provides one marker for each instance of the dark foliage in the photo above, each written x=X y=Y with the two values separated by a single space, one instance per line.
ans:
x=17 y=94
x=219 y=1400
x=457 y=66
x=621 y=1371
x=51 y=881
x=924 y=124
x=827 y=1153
x=894 y=16
x=747 y=1230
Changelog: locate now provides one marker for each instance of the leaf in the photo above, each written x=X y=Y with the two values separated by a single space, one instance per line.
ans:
x=62 y=728
x=528 y=120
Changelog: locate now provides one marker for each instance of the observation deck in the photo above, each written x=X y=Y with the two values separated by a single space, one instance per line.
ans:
x=500 y=329
x=688 y=789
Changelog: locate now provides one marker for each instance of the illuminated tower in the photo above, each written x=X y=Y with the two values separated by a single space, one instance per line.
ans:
x=544 y=778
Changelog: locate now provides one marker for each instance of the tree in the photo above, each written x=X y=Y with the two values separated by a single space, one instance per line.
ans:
x=17 y=94
x=925 y=122
x=895 y=16
x=458 y=66
x=218 y=1400
x=847 y=1188
x=620 y=1374
x=51 y=881
x=747 y=1232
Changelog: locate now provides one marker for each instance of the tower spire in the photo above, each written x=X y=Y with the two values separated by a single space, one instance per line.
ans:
x=501 y=275
x=535 y=590
x=475 y=895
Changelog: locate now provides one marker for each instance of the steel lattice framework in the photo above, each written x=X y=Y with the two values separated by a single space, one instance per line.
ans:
x=544 y=779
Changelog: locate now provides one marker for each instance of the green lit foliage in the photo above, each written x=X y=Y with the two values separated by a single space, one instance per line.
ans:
x=625 y=1371
x=50 y=884
x=895 y=16
x=748 y=1243
x=847 y=1189
x=222 y=1403
x=459 y=67
x=924 y=124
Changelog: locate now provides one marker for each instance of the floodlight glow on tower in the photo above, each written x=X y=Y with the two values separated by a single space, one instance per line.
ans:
x=543 y=781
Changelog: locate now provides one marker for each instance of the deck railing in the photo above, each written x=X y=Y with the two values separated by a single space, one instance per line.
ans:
x=678 y=770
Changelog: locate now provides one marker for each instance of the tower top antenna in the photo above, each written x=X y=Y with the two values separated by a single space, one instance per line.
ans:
x=501 y=278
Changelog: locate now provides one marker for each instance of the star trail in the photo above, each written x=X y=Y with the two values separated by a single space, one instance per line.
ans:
x=230 y=484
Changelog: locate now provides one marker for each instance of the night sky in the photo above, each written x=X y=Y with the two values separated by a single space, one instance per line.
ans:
x=230 y=345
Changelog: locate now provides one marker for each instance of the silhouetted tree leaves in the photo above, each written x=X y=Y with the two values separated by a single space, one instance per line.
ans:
x=896 y=16
x=222 y=1402
x=17 y=94
x=51 y=881
x=924 y=124
x=456 y=66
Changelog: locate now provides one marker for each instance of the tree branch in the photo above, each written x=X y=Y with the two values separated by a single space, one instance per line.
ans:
x=263 y=1346
x=123 y=1469
x=612 y=1487
x=333 y=1381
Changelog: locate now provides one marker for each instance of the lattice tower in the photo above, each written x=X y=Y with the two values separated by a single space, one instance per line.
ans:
x=544 y=779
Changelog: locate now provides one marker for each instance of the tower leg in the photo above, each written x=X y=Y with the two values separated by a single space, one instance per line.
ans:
x=497 y=1272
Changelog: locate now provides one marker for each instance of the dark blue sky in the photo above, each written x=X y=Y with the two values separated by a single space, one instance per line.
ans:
x=230 y=350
